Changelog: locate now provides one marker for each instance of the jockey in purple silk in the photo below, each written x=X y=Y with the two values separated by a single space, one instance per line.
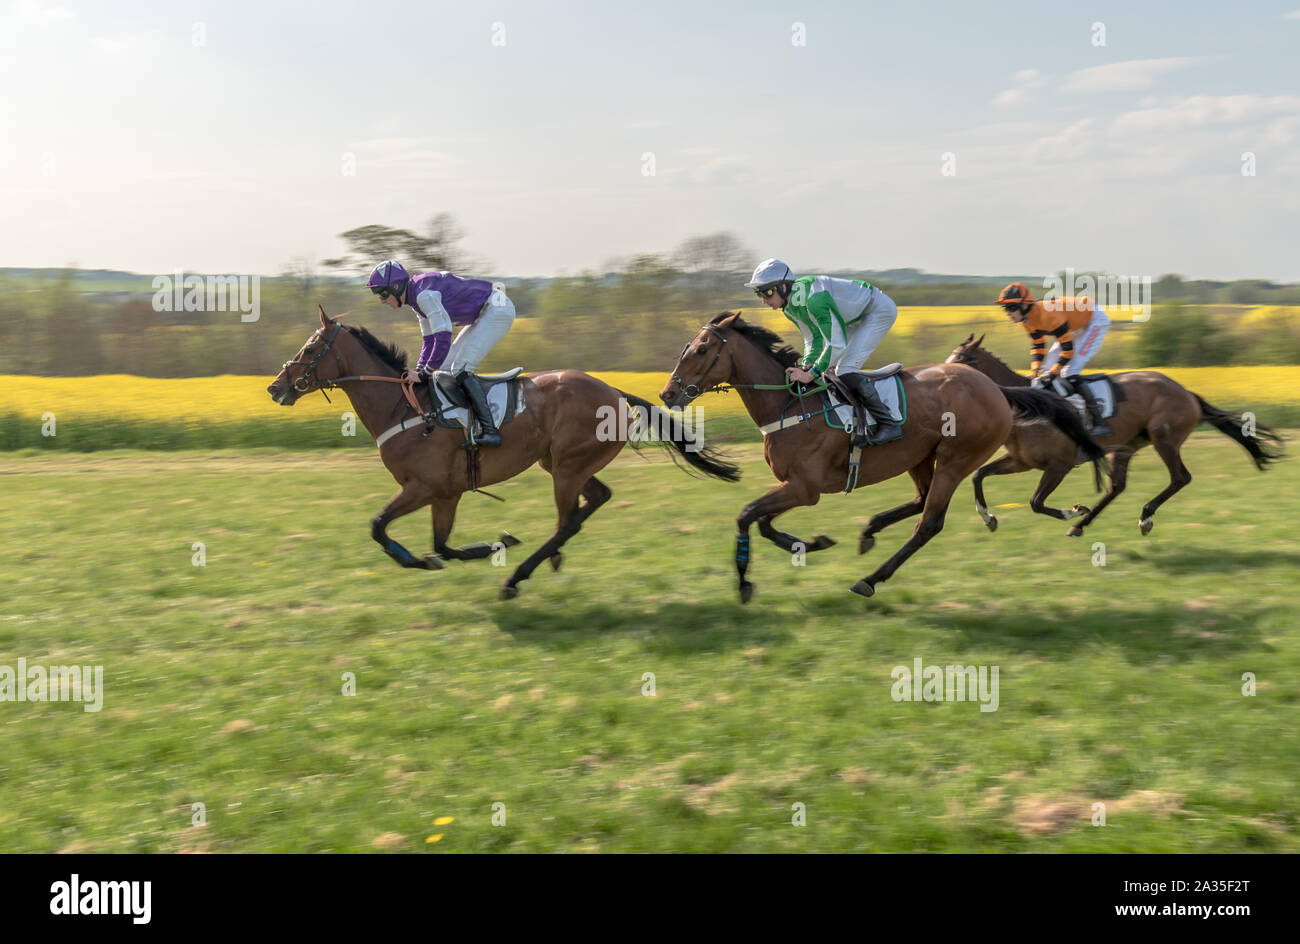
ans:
x=441 y=300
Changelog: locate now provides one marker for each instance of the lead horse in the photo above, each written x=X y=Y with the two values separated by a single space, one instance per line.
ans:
x=811 y=459
x=1152 y=410
x=560 y=429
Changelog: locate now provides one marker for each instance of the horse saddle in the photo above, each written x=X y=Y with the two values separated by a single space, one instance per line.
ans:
x=452 y=409
x=889 y=388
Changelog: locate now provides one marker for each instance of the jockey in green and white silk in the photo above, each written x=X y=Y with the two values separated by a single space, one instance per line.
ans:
x=842 y=322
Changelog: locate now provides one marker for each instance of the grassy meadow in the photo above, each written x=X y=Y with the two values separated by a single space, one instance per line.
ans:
x=1119 y=684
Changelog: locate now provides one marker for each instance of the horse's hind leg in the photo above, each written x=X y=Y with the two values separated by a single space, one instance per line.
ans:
x=412 y=496
x=922 y=475
x=1119 y=461
x=571 y=516
x=444 y=516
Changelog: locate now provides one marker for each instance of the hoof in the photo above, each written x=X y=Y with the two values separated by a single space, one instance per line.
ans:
x=992 y=523
x=1075 y=532
x=556 y=560
x=862 y=589
x=509 y=592
x=433 y=562
x=820 y=542
x=866 y=543
x=1145 y=525
x=508 y=539
x=746 y=592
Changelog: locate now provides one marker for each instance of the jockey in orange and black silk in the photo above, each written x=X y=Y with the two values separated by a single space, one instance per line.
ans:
x=1078 y=327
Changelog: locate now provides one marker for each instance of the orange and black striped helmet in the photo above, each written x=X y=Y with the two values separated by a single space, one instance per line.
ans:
x=1015 y=294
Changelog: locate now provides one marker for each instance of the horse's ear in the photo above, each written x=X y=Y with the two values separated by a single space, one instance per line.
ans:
x=969 y=338
x=980 y=341
x=728 y=321
x=325 y=321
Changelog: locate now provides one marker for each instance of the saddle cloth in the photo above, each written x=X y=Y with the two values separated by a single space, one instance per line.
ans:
x=889 y=387
x=505 y=399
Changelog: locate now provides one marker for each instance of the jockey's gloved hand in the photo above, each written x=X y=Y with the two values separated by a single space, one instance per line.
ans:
x=423 y=373
x=1041 y=381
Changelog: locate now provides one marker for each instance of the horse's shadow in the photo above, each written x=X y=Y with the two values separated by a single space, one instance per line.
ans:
x=1144 y=634
x=1187 y=559
x=668 y=629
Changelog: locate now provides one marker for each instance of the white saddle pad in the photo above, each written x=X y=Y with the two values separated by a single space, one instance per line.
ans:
x=497 y=396
x=889 y=392
x=1101 y=391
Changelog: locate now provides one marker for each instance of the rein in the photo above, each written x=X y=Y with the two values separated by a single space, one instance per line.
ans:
x=794 y=388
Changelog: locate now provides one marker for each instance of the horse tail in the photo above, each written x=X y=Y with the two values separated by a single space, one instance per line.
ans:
x=1027 y=403
x=1261 y=445
x=698 y=456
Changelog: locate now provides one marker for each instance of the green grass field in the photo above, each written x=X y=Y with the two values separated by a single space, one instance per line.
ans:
x=1119 y=684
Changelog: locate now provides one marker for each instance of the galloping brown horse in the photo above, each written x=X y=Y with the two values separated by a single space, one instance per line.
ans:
x=811 y=459
x=1154 y=411
x=560 y=428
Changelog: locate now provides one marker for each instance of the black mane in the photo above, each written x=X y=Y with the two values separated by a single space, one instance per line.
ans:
x=769 y=341
x=390 y=354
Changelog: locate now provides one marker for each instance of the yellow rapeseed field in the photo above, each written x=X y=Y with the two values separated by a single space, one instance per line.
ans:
x=240 y=399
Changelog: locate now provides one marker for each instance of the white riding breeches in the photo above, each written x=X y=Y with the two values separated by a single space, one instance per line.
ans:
x=475 y=340
x=867 y=333
x=1087 y=341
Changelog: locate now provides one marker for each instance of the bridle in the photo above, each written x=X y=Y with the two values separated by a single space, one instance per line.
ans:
x=306 y=380
x=308 y=377
x=698 y=390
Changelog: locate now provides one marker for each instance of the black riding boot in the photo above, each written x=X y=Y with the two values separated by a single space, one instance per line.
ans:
x=490 y=435
x=1099 y=427
x=887 y=430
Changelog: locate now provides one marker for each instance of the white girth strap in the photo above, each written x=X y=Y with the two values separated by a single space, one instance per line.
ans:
x=786 y=421
x=392 y=431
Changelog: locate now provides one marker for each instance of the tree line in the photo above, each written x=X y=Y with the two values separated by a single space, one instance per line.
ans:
x=634 y=314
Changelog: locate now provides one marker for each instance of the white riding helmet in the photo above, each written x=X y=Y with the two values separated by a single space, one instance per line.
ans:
x=768 y=272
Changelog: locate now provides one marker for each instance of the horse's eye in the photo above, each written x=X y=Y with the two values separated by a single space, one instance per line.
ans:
x=701 y=352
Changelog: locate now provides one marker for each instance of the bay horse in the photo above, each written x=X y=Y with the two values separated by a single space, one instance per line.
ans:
x=560 y=428
x=956 y=419
x=1152 y=410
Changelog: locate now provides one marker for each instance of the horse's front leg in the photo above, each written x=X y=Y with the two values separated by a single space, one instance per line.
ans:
x=413 y=495
x=788 y=542
x=785 y=496
x=444 y=517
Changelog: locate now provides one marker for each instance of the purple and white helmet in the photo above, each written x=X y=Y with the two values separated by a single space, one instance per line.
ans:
x=388 y=278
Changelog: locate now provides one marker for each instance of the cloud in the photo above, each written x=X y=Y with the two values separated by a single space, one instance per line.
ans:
x=1201 y=111
x=1293 y=15
x=1025 y=80
x=1127 y=76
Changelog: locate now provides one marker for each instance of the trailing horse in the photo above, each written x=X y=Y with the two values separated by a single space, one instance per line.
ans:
x=560 y=428
x=956 y=419
x=1152 y=410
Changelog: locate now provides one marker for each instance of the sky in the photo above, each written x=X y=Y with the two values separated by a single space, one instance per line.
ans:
x=963 y=138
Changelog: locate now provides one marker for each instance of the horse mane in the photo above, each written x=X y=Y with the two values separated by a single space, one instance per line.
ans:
x=387 y=352
x=997 y=360
x=768 y=341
